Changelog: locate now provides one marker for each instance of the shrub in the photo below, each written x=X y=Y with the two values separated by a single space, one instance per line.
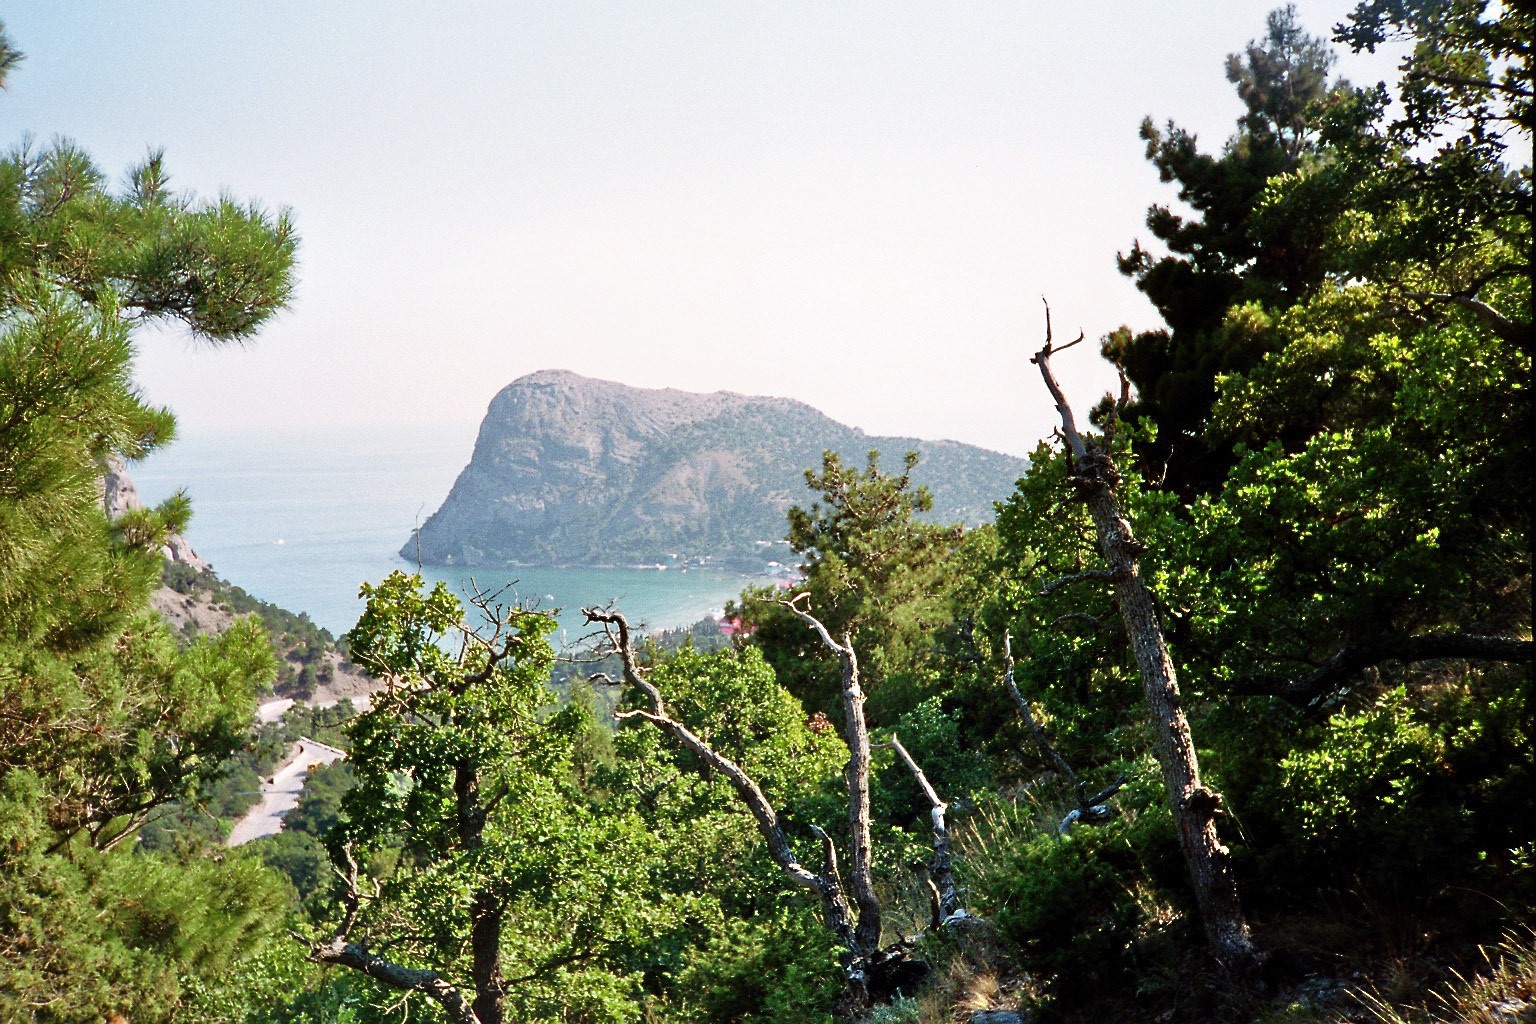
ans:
x=774 y=970
x=1072 y=906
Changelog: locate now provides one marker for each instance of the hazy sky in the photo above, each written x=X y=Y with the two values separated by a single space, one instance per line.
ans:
x=854 y=204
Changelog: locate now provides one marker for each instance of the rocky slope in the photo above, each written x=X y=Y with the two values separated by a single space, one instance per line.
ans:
x=195 y=600
x=568 y=470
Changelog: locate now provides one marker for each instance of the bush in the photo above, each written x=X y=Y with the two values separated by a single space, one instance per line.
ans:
x=298 y=855
x=1428 y=783
x=1072 y=907
x=774 y=970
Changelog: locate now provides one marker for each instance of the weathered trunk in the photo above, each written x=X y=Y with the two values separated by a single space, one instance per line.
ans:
x=861 y=880
x=355 y=955
x=1194 y=807
x=872 y=973
x=342 y=953
x=1036 y=730
x=485 y=951
x=837 y=916
x=941 y=872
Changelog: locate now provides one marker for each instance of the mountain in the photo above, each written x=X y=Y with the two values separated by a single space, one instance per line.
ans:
x=568 y=470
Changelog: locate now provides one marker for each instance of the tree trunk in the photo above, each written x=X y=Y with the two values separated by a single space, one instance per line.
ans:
x=946 y=894
x=1194 y=807
x=486 y=908
x=861 y=880
x=485 y=966
x=342 y=953
x=836 y=914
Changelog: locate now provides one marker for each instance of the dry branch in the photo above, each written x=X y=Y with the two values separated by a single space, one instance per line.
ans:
x=861 y=881
x=340 y=951
x=835 y=910
x=946 y=895
x=1317 y=687
x=1194 y=806
x=1090 y=810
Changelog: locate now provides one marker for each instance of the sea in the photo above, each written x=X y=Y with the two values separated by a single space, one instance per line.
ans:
x=303 y=518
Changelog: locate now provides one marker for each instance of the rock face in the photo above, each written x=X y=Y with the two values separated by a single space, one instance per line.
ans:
x=573 y=471
x=119 y=495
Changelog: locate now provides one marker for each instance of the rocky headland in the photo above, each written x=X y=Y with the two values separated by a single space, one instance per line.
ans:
x=568 y=470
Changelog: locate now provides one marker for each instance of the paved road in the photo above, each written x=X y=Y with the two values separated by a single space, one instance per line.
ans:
x=280 y=793
x=272 y=710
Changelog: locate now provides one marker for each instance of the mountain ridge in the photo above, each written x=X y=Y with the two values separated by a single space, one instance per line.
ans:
x=572 y=470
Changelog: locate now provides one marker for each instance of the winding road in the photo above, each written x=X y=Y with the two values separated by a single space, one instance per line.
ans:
x=280 y=793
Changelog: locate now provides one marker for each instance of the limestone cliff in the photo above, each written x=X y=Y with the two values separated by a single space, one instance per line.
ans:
x=119 y=494
x=568 y=470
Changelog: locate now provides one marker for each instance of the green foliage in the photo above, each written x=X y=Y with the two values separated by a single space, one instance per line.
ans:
x=730 y=699
x=279 y=986
x=780 y=969
x=874 y=569
x=1225 y=255
x=1327 y=463
x=1073 y=906
x=320 y=804
x=958 y=773
x=92 y=934
x=107 y=718
x=302 y=857
x=1351 y=484
x=1406 y=787
x=1365 y=772
x=467 y=803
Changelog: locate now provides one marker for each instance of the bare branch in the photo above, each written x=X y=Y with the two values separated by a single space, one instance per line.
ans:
x=1107 y=575
x=1075 y=445
x=861 y=881
x=828 y=855
x=942 y=870
x=1512 y=331
x=834 y=906
x=1092 y=620
x=1028 y=714
x=340 y=952
x=793 y=604
x=1316 y=687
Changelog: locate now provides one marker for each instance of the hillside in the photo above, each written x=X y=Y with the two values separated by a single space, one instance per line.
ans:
x=195 y=600
x=571 y=470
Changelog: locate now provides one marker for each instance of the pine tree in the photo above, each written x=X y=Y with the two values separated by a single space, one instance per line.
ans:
x=105 y=715
x=1225 y=254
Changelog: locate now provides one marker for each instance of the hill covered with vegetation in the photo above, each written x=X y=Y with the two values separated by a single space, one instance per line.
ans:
x=1228 y=715
x=570 y=470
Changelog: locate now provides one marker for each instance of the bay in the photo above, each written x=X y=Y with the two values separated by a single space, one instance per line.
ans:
x=303 y=518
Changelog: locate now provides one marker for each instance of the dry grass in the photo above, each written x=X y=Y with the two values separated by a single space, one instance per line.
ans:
x=1503 y=991
x=970 y=970
x=971 y=975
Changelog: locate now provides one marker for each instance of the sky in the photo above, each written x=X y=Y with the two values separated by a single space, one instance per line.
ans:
x=856 y=204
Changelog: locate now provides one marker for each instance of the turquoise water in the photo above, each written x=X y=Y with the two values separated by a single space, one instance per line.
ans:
x=301 y=519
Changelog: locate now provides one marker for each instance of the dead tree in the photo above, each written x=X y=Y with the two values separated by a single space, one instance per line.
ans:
x=1090 y=809
x=944 y=893
x=871 y=973
x=1194 y=807
x=826 y=884
x=856 y=734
